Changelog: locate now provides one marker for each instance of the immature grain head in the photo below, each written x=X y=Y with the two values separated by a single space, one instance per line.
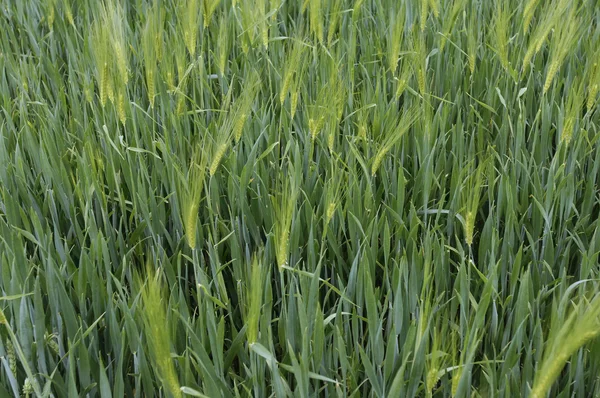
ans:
x=157 y=334
x=593 y=82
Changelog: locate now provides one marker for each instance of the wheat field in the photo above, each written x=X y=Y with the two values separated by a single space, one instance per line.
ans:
x=273 y=198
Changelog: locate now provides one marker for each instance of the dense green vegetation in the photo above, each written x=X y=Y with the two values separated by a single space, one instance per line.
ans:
x=334 y=198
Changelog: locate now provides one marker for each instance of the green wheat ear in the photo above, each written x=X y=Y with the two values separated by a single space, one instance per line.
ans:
x=114 y=19
x=566 y=337
x=316 y=18
x=242 y=108
x=208 y=9
x=562 y=43
x=403 y=124
x=549 y=20
x=574 y=106
x=101 y=48
x=223 y=42
x=294 y=68
x=334 y=21
x=501 y=34
x=395 y=37
x=284 y=204
x=192 y=193
x=156 y=330
x=472 y=43
x=152 y=49
x=424 y=11
x=593 y=76
x=188 y=16
x=528 y=12
x=472 y=192
x=450 y=21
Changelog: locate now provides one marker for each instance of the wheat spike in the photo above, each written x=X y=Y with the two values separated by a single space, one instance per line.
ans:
x=469 y=227
x=104 y=78
x=10 y=349
x=188 y=17
x=528 y=14
x=157 y=333
x=50 y=11
x=110 y=90
x=330 y=211
x=377 y=161
x=284 y=89
x=563 y=41
x=424 y=12
x=68 y=13
x=552 y=70
x=331 y=137
x=316 y=19
x=472 y=43
x=282 y=249
x=591 y=100
x=218 y=155
x=239 y=125
x=421 y=79
x=395 y=40
x=567 y=130
x=402 y=126
x=121 y=107
x=192 y=192
x=293 y=103
x=191 y=222
x=151 y=87
x=264 y=22
x=209 y=9
x=501 y=23
x=114 y=20
x=568 y=337
x=402 y=82
x=593 y=84
x=435 y=8
x=149 y=51
x=334 y=20
x=27 y=387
